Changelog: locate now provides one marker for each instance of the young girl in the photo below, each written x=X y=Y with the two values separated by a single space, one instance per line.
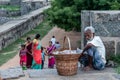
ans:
x=43 y=57
x=23 y=57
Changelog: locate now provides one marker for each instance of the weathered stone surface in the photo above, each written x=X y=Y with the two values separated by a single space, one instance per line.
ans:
x=4 y=2
x=106 y=24
x=118 y=48
x=15 y=2
x=117 y=76
x=4 y=20
x=110 y=47
x=12 y=73
x=27 y=6
x=51 y=74
x=14 y=29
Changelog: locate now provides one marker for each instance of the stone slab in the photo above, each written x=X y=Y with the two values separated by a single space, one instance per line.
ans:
x=51 y=74
x=12 y=73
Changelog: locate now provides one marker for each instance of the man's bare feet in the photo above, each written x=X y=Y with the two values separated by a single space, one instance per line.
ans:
x=87 y=68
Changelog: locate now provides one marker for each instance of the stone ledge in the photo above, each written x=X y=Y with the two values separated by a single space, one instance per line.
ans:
x=112 y=45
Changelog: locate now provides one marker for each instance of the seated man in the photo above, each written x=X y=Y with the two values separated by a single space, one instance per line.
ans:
x=93 y=55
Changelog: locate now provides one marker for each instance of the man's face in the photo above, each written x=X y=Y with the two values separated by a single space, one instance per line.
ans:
x=88 y=35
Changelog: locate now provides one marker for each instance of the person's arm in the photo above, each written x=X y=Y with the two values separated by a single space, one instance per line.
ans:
x=87 y=47
x=46 y=52
x=29 y=52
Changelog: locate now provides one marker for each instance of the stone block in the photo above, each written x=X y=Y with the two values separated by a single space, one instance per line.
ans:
x=11 y=73
x=118 y=48
x=110 y=48
x=15 y=2
x=106 y=23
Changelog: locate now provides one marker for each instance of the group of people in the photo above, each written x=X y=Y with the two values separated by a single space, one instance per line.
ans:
x=32 y=53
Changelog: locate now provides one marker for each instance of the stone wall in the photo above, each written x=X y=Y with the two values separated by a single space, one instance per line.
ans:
x=13 y=30
x=15 y=2
x=6 y=13
x=4 y=20
x=28 y=6
x=106 y=24
x=4 y=2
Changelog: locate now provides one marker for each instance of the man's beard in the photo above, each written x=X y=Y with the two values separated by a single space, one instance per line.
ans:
x=90 y=39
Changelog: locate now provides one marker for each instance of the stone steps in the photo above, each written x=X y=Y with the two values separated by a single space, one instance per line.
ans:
x=51 y=74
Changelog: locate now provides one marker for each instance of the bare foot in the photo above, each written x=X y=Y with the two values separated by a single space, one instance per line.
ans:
x=87 y=68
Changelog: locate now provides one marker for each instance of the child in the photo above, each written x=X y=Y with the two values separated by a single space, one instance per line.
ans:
x=43 y=57
x=23 y=57
x=57 y=45
x=53 y=40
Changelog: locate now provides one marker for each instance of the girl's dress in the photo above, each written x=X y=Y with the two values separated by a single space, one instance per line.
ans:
x=37 y=58
x=23 y=57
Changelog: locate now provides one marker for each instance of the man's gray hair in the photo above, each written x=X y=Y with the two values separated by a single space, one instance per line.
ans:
x=90 y=28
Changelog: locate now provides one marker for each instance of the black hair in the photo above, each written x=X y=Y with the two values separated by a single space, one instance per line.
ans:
x=28 y=38
x=37 y=36
x=23 y=45
x=57 y=42
x=50 y=41
x=53 y=36
x=41 y=48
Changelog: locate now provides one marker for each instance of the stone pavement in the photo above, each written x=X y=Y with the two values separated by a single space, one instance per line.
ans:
x=51 y=74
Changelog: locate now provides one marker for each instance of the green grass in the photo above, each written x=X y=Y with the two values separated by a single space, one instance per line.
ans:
x=118 y=69
x=42 y=29
x=10 y=7
x=116 y=59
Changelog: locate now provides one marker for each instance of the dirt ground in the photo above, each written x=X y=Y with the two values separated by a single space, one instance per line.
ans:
x=59 y=35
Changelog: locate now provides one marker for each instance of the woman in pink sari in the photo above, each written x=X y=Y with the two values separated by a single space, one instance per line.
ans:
x=51 y=59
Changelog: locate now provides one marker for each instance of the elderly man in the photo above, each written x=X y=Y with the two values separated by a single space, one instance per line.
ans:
x=93 y=55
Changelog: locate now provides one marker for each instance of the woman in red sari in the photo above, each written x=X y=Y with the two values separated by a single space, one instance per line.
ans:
x=36 y=51
x=29 y=52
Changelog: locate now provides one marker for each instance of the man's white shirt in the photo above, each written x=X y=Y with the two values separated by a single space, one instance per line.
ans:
x=53 y=40
x=97 y=42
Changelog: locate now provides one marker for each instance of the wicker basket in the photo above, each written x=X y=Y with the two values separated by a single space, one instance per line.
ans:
x=67 y=64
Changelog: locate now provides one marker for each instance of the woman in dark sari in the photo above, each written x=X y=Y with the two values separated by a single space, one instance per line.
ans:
x=29 y=52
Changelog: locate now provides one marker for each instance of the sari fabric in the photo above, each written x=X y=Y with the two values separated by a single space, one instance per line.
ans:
x=51 y=59
x=37 y=58
x=29 y=55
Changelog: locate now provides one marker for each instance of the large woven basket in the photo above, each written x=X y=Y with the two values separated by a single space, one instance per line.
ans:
x=67 y=64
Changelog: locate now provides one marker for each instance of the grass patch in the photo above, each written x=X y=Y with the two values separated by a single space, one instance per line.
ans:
x=116 y=59
x=118 y=69
x=10 y=7
x=42 y=29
